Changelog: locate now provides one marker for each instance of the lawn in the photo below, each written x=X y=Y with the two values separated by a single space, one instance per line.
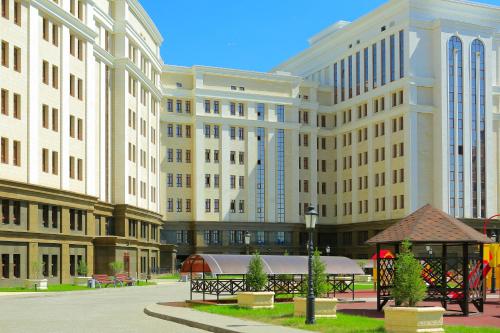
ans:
x=282 y=315
x=169 y=277
x=64 y=287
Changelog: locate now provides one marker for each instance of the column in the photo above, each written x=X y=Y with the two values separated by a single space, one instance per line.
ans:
x=65 y=274
x=224 y=186
x=33 y=96
x=65 y=108
x=251 y=163
x=198 y=182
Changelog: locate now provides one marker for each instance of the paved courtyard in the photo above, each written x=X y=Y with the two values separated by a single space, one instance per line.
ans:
x=105 y=310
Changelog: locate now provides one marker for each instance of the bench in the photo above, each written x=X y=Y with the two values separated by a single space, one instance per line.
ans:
x=103 y=279
x=124 y=279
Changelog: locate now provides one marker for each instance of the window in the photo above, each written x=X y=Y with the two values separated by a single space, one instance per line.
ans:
x=17 y=106
x=383 y=62
x=55 y=77
x=392 y=58
x=16 y=156
x=401 y=54
x=207 y=106
x=374 y=66
x=17 y=12
x=5 y=9
x=4 y=147
x=216 y=107
x=241 y=109
x=208 y=208
x=5 y=102
x=5 y=54
x=17 y=59
x=55 y=163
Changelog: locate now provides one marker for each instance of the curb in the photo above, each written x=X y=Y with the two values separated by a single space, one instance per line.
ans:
x=187 y=322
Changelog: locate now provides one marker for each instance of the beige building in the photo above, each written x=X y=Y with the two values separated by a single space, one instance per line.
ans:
x=388 y=113
x=79 y=127
x=102 y=144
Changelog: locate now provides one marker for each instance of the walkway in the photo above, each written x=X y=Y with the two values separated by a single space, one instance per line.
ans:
x=105 y=310
x=213 y=322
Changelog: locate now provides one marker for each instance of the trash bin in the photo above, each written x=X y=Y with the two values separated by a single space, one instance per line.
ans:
x=91 y=284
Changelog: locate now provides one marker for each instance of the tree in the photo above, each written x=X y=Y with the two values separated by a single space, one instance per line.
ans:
x=320 y=283
x=82 y=268
x=409 y=286
x=256 y=276
x=116 y=267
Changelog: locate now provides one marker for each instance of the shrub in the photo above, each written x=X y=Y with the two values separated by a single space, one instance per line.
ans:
x=319 y=279
x=116 y=267
x=256 y=276
x=82 y=268
x=409 y=286
x=36 y=268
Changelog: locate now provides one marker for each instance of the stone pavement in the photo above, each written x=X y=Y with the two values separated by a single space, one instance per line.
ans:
x=109 y=310
x=212 y=322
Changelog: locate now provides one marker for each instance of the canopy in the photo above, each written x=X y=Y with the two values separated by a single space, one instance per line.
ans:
x=429 y=225
x=220 y=264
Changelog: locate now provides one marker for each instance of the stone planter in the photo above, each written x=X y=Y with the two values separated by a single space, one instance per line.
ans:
x=362 y=278
x=41 y=284
x=81 y=281
x=413 y=320
x=323 y=307
x=256 y=300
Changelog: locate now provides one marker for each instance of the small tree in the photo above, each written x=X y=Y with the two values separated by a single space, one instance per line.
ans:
x=82 y=268
x=36 y=268
x=409 y=286
x=116 y=267
x=256 y=276
x=320 y=283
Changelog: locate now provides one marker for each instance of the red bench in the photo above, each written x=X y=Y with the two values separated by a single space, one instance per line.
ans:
x=124 y=279
x=103 y=279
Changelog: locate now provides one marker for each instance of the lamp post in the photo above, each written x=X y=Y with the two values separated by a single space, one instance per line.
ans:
x=310 y=218
x=327 y=250
x=247 y=242
x=493 y=274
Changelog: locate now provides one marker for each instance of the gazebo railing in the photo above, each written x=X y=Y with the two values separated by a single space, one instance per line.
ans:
x=444 y=278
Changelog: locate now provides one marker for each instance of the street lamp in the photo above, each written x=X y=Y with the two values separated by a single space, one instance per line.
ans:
x=310 y=218
x=247 y=242
x=327 y=250
x=493 y=275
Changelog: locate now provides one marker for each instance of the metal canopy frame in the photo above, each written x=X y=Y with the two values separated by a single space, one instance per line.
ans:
x=286 y=274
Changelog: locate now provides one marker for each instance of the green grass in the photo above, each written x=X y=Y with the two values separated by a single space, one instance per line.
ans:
x=169 y=277
x=64 y=288
x=282 y=315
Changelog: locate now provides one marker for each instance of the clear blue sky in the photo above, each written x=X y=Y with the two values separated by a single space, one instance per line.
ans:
x=246 y=34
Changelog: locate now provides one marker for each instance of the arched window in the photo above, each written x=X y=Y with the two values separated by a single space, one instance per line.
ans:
x=478 y=139
x=455 y=126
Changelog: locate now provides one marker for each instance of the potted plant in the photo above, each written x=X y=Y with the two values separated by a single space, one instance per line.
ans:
x=256 y=281
x=410 y=289
x=82 y=279
x=324 y=307
x=37 y=281
x=365 y=277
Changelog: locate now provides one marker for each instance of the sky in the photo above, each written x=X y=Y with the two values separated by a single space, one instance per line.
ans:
x=243 y=34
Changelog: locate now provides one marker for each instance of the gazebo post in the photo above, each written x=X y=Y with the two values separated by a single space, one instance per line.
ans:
x=203 y=275
x=191 y=281
x=444 y=282
x=379 y=308
x=465 y=301
x=483 y=280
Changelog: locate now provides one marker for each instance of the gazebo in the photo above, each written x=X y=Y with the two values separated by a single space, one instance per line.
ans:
x=451 y=254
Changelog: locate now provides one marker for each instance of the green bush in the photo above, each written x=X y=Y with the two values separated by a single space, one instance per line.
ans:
x=409 y=286
x=82 y=268
x=116 y=267
x=256 y=276
x=319 y=278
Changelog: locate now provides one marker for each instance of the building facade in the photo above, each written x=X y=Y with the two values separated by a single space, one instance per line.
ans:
x=79 y=127
x=102 y=144
x=393 y=111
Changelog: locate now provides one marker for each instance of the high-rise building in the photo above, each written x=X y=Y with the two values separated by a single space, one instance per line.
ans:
x=102 y=145
x=79 y=127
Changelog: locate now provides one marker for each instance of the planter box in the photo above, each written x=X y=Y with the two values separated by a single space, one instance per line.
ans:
x=81 y=281
x=413 y=320
x=362 y=278
x=41 y=284
x=323 y=307
x=256 y=300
